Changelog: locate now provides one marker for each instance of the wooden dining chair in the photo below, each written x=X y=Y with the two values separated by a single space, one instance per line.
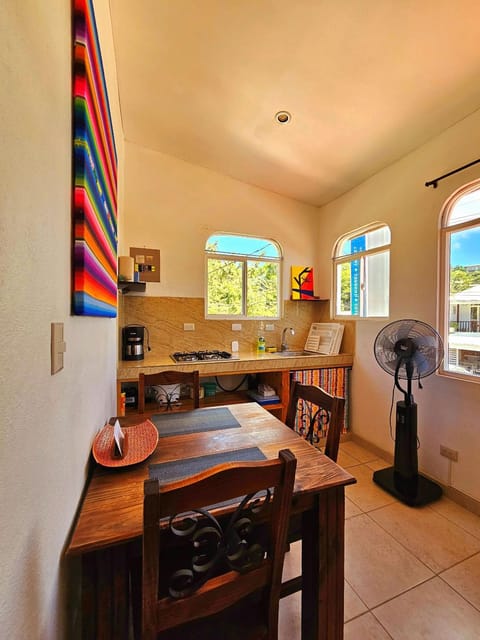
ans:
x=216 y=572
x=312 y=404
x=164 y=378
x=321 y=407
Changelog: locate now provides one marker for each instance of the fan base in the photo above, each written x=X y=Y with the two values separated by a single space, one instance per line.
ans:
x=415 y=491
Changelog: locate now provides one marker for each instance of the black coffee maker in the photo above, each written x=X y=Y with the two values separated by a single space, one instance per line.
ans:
x=133 y=339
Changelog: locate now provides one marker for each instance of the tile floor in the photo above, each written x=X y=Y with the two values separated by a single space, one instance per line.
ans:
x=410 y=573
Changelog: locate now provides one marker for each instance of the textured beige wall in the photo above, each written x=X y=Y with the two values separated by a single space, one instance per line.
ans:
x=448 y=409
x=174 y=206
x=164 y=318
x=48 y=422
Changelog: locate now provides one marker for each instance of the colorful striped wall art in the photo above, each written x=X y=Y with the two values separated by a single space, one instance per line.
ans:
x=94 y=175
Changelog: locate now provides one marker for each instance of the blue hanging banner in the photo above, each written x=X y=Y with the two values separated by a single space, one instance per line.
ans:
x=357 y=244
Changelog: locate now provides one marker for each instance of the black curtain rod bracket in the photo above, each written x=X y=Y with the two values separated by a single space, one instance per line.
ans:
x=434 y=183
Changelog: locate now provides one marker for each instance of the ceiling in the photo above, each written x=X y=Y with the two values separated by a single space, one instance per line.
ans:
x=366 y=82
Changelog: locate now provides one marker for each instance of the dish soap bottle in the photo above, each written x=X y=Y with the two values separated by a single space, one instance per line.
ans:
x=261 y=341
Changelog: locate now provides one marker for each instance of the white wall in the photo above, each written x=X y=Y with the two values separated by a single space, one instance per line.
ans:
x=175 y=206
x=448 y=410
x=48 y=422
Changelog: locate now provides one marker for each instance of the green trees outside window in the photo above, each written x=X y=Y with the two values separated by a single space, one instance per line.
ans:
x=243 y=277
x=459 y=277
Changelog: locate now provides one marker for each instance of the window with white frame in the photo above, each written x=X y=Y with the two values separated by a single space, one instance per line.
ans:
x=459 y=302
x=243 y=277
x=361 y=272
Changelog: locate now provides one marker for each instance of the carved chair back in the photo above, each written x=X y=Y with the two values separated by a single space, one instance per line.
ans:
x=167 y=379
x=317 y=406
x=198 y=562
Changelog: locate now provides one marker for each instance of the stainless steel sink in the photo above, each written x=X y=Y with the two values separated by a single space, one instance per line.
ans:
x=295 y=354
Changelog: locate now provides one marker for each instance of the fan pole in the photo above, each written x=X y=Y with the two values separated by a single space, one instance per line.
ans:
x=406 y=458
x=403 y=480
x=416 y=347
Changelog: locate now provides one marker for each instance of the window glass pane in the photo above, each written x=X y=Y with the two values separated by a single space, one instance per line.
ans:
x=377 y=278
x=463 y=339
x=344 y=289
x=241 y=245
x=262 y=289
x=245 y=280
x=370 y=240
x=224 y=287
x=466 y=208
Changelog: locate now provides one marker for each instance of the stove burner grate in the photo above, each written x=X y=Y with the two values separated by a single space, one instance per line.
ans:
x=195 y=356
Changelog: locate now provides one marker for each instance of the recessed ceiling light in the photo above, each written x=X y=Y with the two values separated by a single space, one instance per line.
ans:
x=283 y=117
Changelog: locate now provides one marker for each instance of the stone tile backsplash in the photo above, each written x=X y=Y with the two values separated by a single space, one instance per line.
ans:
x=164 y=318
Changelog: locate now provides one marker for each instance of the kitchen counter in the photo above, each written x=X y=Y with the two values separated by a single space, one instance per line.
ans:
x=246 y=362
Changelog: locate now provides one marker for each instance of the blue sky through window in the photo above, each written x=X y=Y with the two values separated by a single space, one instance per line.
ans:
x=244 y=245
x=465 y=245
x=465 y=248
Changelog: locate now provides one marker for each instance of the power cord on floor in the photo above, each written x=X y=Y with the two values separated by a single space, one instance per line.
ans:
x=391 y=410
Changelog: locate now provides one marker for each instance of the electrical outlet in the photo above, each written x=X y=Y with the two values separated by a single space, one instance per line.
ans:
x=188 y=326
x=451 y=454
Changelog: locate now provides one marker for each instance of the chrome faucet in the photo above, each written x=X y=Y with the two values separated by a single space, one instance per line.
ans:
x=284 y=345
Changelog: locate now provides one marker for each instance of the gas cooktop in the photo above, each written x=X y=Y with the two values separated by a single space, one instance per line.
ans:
x=194 y=356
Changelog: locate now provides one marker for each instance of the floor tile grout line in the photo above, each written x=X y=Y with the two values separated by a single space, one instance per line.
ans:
x=358 y=595
x=436 y=572
x=461 y=595
x=402 y=593
x=456 y=564
x=371 y=610
x=430 y=507
x=411 y=552
x=474 y=535
x=381 y=624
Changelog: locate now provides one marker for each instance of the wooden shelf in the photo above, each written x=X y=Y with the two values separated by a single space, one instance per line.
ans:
x=279 y=379
x=125 y=287
x=220 y=398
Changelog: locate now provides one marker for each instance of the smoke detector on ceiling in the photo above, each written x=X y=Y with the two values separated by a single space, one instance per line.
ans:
x=283 y=117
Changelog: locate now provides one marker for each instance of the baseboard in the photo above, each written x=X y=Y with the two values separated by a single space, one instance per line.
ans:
x=464 y=500
x=381 y=453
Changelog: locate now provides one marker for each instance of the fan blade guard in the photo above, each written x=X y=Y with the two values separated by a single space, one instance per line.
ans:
x=427 y=350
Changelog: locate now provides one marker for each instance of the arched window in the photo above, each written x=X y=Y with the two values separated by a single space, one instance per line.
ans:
x=243 y=277
x=361 y=272
x=459 y=289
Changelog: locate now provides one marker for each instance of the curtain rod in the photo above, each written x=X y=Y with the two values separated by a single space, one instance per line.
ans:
x=434 y=183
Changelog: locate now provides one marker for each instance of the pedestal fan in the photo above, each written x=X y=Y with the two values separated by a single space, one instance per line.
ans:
x=408 y=350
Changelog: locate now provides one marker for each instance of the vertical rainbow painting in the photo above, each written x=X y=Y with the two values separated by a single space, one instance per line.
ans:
x=94 y=176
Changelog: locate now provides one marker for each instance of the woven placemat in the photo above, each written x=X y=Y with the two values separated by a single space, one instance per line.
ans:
x=166 y=472
x=140 y=441
x=176 y=424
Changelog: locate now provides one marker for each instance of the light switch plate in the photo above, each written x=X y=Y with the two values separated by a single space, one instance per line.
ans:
x=188 y=326
x=57 y=346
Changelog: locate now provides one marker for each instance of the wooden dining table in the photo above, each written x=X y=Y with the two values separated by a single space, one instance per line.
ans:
x=108 y=528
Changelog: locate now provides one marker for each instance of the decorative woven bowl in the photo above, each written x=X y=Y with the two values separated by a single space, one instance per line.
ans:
x=140 y=442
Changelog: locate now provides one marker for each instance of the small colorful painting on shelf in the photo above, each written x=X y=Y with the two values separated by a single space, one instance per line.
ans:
x=94 y=176
x=302 y=283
